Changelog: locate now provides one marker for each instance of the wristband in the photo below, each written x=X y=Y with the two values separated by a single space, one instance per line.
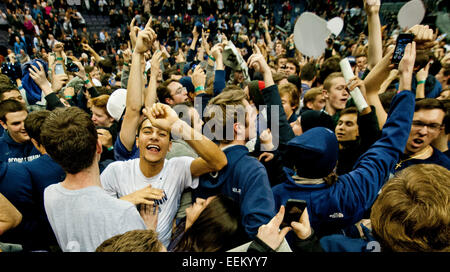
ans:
x=68 y=97
x=211 y=57
x=125 y=63
x=199 y=88
x=110 y=148
x=421 y=82
x=59 y=58
x=86 y=81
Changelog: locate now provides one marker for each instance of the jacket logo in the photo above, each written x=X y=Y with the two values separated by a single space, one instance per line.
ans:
x=336 y=215
x=236 y=190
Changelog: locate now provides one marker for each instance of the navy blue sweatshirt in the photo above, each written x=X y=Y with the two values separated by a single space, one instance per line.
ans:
x=15 y=185
x=11 y=151
x=44 y=171
x=344 y=203
x=245 y=180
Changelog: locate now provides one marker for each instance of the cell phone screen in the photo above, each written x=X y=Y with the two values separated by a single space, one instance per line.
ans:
x=402 y=41
x=59 y=69
x=293 y=211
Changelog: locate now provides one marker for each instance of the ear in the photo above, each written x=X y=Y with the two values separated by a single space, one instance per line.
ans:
x=239 y=131
x=309 y=104
x=169 y=101
x=3 y=125
x=99 y=148
x=325 y=93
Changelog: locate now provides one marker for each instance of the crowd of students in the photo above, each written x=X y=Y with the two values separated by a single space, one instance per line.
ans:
x=192 y=136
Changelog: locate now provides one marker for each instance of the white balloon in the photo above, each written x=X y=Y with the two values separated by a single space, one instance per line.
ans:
x=310 y=34
x=335 y=25
x=411 y=14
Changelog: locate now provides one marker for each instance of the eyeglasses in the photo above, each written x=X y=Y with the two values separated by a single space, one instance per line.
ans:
x=180 y=90
x=432 y=126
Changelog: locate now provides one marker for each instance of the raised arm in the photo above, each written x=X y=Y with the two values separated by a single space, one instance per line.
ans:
x=374 y=167
x=151 y=95
x=211 y=157
x=373 y=82
x=375 y=52
x=91 y=51
x=134 y=89
x=220 y=76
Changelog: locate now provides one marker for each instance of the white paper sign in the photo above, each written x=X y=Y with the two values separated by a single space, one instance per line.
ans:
x=335 y=25
x=411 y=14
x=310 y=34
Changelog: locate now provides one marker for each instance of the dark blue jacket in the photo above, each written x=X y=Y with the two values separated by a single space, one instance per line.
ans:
x=15 y=185
x=245 y=180
x=335 y=207
x=11 y=151
x=43 y=171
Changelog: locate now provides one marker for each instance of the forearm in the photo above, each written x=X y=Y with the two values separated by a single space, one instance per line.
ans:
x=134 y=87
x=420 y=90
x=375 y=52
x=95 y=55
x=151 y=96
x=53 y=102
x=219 y=81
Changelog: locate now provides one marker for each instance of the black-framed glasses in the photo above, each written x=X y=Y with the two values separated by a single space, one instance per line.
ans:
x=432 y=126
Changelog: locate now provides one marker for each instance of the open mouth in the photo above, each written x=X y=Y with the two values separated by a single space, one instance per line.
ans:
x=417 y=142
x=153 y=148
x=340 y=135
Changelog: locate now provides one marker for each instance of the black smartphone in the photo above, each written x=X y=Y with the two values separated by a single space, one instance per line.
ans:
x=293 y=211
x=402 y=41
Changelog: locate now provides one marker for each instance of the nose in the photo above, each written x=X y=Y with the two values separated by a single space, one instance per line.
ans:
x=423 y=130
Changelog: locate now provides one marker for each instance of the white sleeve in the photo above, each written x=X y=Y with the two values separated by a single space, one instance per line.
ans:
x=182 y=168
x=108 y=178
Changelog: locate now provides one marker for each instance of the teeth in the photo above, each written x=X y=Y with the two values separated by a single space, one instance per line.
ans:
x=153 y=146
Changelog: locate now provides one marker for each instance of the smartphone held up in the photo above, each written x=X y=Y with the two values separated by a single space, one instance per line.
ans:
x=402 y=41
x=293 y=211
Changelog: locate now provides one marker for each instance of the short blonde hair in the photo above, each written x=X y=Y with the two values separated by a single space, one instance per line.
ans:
x=291 y=90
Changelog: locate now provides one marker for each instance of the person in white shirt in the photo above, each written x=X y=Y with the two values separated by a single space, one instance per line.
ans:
x=82 y=215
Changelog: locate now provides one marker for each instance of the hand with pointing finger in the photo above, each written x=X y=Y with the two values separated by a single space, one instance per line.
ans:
x=270 y=233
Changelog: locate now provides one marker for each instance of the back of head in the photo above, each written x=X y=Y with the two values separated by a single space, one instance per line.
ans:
x=412 y=212
x=315 y=152
x=34 y=122
x=308 y=71
x=70 y=138
x=217 y=228
x=132 y=241
x=312 y=118
x=329 y=66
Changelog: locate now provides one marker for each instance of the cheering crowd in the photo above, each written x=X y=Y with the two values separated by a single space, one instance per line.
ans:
x=193 y=124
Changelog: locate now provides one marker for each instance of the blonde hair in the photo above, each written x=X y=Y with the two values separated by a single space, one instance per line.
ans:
x=291 y=90
x=412 y=213
x=228 y=97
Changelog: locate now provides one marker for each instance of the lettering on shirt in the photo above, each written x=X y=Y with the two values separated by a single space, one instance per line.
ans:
x=19 y=160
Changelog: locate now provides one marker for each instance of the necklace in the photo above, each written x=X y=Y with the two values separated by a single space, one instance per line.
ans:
x=427 y=151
